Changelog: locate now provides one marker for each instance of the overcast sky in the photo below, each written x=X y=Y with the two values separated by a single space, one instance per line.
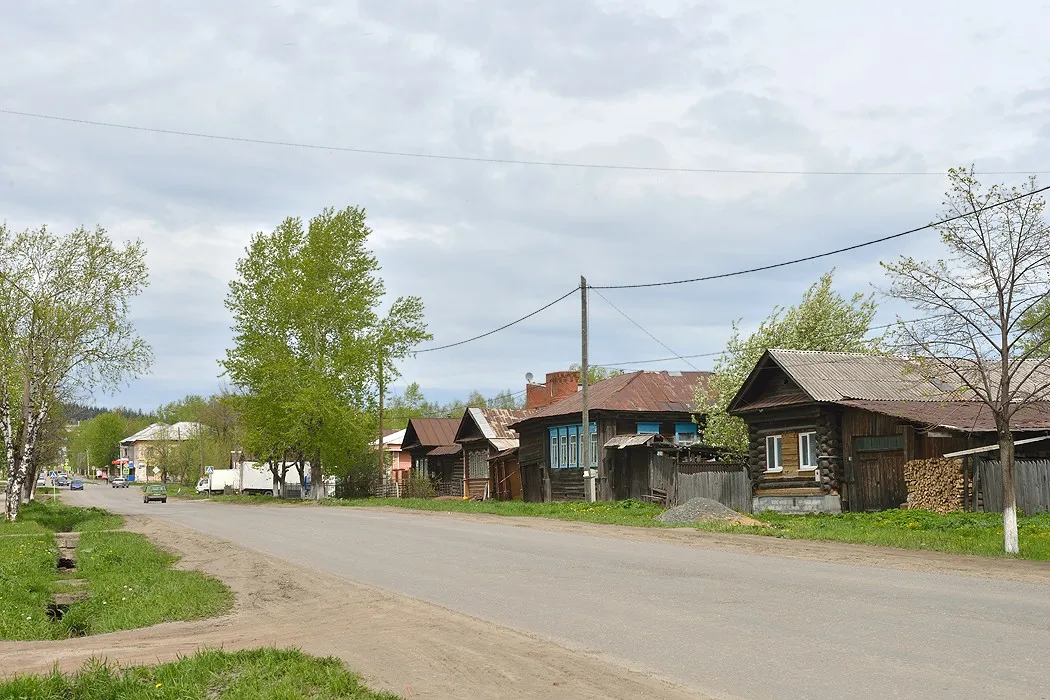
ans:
x=809 y=85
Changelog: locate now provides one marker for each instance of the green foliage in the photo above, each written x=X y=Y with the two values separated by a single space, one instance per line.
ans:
x=55 y=516
x=412 y=404
x=100 y=439
x=629 y=512
x=27 y=570
x=266 y=674
x=309 y=341
x=419 y=486
x=596 y=374
x=823 y=320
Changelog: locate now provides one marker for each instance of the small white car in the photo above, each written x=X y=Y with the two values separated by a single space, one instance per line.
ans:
x=119 y=483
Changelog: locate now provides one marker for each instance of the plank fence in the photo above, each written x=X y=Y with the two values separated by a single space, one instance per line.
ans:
x=1031 y=482
x=729 y=484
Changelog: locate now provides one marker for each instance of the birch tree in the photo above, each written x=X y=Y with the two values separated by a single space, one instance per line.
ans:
x=980 y=335
x=64 y=329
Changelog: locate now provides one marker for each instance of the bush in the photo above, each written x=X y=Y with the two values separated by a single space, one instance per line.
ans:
x=418 y=486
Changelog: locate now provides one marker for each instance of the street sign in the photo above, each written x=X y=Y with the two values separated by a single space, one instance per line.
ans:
x=156 y=470
x=53 y=475
x=209 y=470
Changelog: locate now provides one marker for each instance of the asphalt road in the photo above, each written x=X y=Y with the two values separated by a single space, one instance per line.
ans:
x=724 y=623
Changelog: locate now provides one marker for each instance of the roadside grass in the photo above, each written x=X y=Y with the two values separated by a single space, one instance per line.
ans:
x=629 y=512
x=956 y=533
x=132 y=585
x=55 y=516
x=268 y=674
x=131 y=582
x=27 y=573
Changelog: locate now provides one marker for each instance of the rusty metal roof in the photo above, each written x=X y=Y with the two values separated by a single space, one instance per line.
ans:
x=430 y=432
x=654 y=392
x=963 y=416
x=445 y=450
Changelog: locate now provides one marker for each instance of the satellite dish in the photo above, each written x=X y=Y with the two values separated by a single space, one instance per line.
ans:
x=528 y=377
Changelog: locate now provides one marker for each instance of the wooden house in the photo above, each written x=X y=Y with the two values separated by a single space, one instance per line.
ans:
x=831 y=432
x=487 y=440
x=628 y=414
x=435 y=453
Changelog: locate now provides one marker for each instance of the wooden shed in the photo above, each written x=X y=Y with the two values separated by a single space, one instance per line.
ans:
x=435 y=452
x=486 y=437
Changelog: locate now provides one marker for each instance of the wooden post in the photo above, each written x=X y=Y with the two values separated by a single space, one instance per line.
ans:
x=585 y=436
x=382 y=467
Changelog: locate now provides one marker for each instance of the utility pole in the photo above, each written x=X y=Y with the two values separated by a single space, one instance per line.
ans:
x=585 y=436
x=382 y=467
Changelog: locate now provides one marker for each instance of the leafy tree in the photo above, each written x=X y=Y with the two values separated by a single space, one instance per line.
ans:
x=985 y=334
x=64 y=329
x=596 y=374
x=823 y=320
x=310 y=345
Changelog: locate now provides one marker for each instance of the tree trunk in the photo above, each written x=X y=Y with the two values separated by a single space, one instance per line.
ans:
x=1006 y=457
x=316 y=487
x=10 y=500
x=300 y=467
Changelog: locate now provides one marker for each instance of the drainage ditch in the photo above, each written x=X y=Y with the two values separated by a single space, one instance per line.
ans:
x=71 y=589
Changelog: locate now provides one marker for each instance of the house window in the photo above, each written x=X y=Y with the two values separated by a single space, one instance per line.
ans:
x=648 y=428
x=478 y=464
x=566 y=444
x=684 y=433
x=775 y=453
x=807 y=451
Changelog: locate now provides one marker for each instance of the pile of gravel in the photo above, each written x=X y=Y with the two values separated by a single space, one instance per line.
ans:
x=696 y=510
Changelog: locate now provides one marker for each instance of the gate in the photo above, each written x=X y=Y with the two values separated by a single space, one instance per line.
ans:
x=878 y=473
x=1031 y=484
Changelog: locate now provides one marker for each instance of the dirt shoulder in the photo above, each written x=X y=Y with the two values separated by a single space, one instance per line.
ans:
x=399 y=644
x=1022 y=570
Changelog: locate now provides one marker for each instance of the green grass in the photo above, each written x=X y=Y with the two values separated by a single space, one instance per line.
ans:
x=957 y=533
x=27 y=573
x=628 y=512
x=54 y=516
x=267 y=674
x=133 y=585
x=131 y=582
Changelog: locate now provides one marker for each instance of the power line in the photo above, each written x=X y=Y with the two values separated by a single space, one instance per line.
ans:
x=828 y=253
x=501 y=328
x=483 y=159
x=639 y=326
x=722 y=352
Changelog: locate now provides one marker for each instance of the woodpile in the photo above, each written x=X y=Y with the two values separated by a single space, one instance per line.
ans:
x=935 y=484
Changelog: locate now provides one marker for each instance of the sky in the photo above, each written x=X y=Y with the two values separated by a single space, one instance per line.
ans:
x=786 y=91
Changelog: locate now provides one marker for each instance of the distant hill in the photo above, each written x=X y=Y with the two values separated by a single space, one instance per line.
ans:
x=76 y=412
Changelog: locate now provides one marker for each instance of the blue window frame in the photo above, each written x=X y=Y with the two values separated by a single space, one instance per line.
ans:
x=648 y=428
x=565 y=446
x=684 y=433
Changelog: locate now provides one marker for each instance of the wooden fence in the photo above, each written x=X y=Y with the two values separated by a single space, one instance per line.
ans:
x=1031 y=481
x=729 y=484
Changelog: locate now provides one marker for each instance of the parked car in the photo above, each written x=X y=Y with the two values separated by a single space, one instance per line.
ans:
x=41 y=480
x=62 y=481
x=119 y=483
x=155 y=492
x=76 y=485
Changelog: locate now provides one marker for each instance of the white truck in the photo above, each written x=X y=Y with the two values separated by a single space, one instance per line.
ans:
x=257 y=479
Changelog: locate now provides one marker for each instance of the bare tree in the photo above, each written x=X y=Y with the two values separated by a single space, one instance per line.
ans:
x=997 y=270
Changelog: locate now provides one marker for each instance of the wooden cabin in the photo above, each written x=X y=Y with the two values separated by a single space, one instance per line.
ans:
x=831 y=432
x=639 y=404
x=435 y=452
x=486 y=438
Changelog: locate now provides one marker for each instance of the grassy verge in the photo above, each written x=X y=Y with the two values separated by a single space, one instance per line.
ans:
x=54 y=516
x=268 y=674
x=27 y=574
x=628 y=512
x=133 y=585
x=131 y=582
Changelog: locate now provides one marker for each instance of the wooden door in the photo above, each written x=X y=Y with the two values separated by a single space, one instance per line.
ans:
x=879 y=481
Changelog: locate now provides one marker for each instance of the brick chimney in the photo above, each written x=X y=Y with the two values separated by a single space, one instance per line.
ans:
x=558 y=386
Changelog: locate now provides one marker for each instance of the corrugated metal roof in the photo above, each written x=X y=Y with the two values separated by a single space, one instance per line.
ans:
x=504 y=453
x=494 y=423
x=655 y=392
x=430 y=432
x=830 y=376
x=964 y=416
x=502 y=444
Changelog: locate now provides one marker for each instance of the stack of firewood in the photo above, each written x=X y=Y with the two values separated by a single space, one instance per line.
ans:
x=935 y=484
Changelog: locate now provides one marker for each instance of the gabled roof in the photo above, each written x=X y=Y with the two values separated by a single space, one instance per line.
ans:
x=493 y=424
x=430 y=432
x=962 y=416
x=391 y=437
x=157 y=432
x=653 y=392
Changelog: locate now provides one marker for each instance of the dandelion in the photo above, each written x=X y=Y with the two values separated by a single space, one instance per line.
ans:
x=159 y=685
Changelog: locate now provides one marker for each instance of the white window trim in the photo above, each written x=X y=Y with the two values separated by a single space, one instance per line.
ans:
x=802 y=467
x=775 y=470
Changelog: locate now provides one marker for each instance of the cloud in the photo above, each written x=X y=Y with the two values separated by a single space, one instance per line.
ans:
x=661 y=83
